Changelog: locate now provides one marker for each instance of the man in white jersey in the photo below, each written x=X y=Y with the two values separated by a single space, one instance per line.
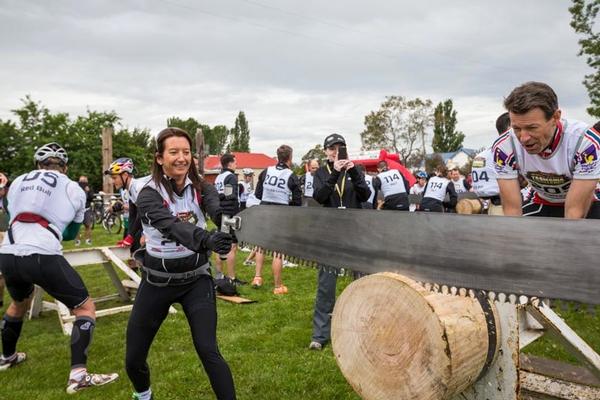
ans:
x=418 y=188
x=434 y=195
x=3 y=224
x=371 y=203
x=277 y=185
x=483 y=173
x=460 y=184
x=393 y=186
x=226 y=184
x=46 y=207
x=121 y=173
x=307 y=180
x=245 y=187
x=559 y=158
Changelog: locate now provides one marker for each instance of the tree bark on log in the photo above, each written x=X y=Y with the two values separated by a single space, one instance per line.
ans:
x=393 y=339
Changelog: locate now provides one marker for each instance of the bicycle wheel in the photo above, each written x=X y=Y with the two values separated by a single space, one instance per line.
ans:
x=113 y=223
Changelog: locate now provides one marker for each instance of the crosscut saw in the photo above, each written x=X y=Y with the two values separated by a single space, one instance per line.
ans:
x=526 y=257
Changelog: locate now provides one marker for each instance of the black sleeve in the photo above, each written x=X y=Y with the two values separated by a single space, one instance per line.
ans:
x=376 y=183
x=452 y=193
x=258 y=192
x=294 y=186
x=406 y=184
x=233 y=181
x=324 y=185
x=153 y=212
x=210 y=202
x=135 y=224
x=360 y=186
x=240 y=188
x=467 y=184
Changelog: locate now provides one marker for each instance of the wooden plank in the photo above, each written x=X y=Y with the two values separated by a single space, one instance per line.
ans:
x=106 y=298
x=235 y=299
x=37 y=303
x=65 y=318
x=111 y=256
x=106 y=312
x=573 y=343
x=116 y=281
x=557 y=369
x=543 y=387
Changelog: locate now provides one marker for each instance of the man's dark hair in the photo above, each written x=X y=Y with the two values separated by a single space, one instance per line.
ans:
x=382 y=164
x=532 y=95
x=284 y=153
x=226 y=159
x=503 y=123
x=597 y=126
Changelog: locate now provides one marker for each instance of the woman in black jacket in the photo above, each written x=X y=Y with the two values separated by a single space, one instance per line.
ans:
x=176 y=268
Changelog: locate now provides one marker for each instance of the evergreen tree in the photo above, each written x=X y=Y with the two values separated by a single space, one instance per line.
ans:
x=445 y=136
x=240 y=135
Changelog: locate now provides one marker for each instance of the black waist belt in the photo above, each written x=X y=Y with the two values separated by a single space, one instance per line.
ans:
x=176 y=278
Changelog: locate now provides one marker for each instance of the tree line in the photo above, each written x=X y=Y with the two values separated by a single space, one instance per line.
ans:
x=34 y=125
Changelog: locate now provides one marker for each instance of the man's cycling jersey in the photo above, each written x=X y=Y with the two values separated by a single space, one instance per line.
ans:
x=436 y=188
x=573 y=154
x=50 y=195
x=392 y=183
x=460 y=186
x=484 y=175
x=308 y=184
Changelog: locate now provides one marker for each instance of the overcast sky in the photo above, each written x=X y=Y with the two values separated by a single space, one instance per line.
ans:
x=298 y=69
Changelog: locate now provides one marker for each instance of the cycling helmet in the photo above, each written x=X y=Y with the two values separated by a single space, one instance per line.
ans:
x=421 y=174
x=50 y=150
x=119 y=166
x=248 y=171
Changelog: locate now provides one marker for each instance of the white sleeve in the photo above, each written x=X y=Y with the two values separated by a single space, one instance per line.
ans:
x=504 y=157
x=587 y=164
x=77 y=197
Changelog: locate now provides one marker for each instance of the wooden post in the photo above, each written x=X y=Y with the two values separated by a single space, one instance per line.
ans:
x=395 y=340
x=107 y=156
x=200 y=150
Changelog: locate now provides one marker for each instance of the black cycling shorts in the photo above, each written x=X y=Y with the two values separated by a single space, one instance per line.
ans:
x=88 y=217
x=52 y=272
x=532 y=209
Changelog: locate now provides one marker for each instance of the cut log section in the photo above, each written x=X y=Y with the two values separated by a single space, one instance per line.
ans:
x=395 y=340
x=468 y=206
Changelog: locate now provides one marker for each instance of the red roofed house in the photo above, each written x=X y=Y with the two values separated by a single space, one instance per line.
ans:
x=255 y=161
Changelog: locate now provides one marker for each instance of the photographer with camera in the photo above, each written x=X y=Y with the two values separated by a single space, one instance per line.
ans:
x=337 y=184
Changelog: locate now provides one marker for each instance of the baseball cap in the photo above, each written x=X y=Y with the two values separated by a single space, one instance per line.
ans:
x=332 y=139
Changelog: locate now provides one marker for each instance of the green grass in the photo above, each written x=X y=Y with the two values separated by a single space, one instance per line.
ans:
x=265 y=344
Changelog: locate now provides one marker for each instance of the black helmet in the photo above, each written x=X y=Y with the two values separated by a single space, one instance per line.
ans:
x=332 y=139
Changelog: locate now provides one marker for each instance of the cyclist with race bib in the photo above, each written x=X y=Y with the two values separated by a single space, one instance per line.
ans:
x=435 y=192
x=46 y=207
x=121 y=173
x=559 y=158
x=393 y=186
x=176 y=263
x=483 y=173
x=418 y=188
x=226 y=184
x=277 y=185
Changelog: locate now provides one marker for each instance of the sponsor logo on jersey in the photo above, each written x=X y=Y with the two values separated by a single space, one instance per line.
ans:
x=188 y=216
x=501 y=158
x=546 y=179
x=479 y=162
x=588 y=158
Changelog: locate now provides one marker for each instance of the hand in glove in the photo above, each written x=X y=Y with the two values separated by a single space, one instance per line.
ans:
x=219 y=242
x=126 y=242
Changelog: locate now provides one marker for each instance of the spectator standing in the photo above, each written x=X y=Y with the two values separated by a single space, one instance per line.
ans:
x=88 y=216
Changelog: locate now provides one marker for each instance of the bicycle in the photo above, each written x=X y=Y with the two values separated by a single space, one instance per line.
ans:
x=112 y=220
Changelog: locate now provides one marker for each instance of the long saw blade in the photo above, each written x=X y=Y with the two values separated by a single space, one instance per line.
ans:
x=535 y=257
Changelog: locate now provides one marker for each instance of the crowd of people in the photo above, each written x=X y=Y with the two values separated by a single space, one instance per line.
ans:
x=540 y=164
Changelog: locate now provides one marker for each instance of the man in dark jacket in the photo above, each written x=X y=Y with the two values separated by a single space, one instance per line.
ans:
x=337 y=184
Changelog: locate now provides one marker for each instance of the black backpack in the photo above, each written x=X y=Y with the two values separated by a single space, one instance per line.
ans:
x=226 y=287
